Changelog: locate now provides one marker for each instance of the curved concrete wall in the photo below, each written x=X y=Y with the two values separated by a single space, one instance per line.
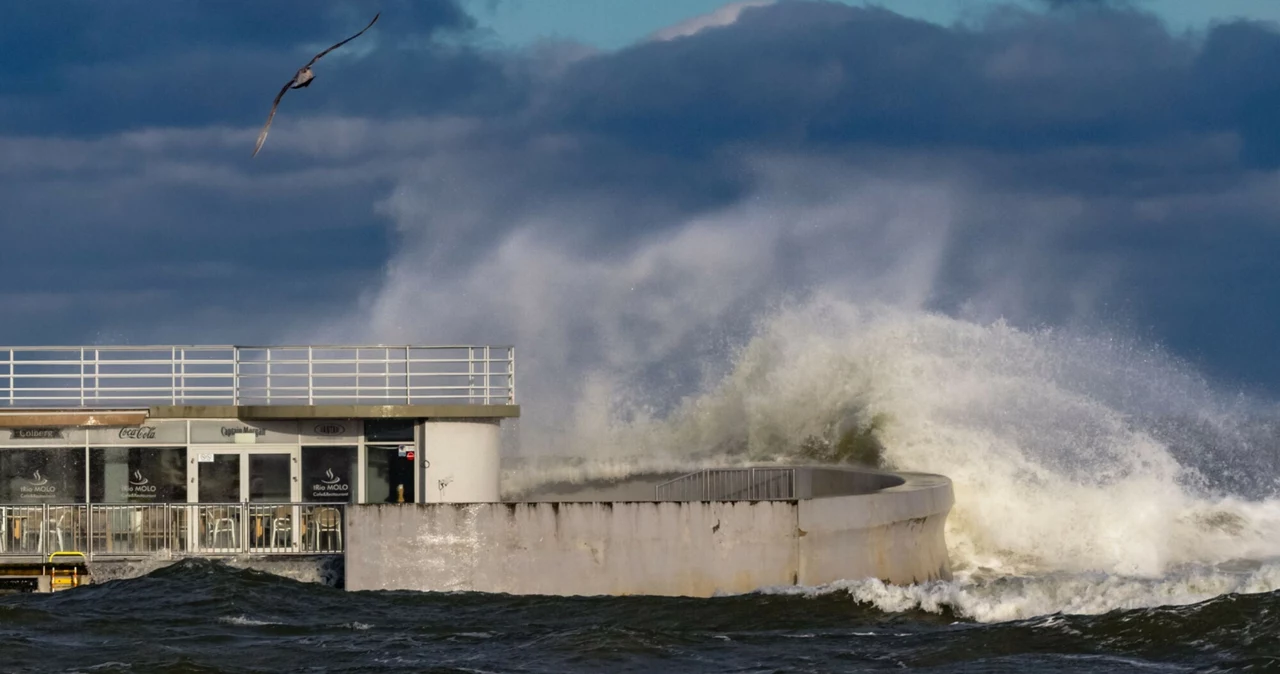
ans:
x=896 y=534
x=665 y=548
x=461 y=460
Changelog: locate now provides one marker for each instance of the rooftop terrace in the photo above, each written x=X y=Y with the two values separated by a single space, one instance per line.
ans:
x=261 y=381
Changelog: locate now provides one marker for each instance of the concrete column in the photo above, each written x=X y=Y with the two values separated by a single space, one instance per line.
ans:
x=460 y=461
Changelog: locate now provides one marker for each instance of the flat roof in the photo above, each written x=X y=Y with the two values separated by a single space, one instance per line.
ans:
x=23 y=418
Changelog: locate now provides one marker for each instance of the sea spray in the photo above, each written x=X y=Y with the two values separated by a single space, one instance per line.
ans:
x=1058 y=443
x=999 y=598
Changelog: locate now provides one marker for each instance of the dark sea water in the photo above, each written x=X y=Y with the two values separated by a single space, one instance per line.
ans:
x=207 y=617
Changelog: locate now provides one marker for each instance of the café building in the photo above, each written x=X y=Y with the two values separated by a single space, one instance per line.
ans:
x=205 y=448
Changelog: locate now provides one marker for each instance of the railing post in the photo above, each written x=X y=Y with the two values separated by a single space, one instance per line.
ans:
x=173 y=379
x=235 y=376
x=408 y=389
x=486 y=375
x=82 y=376
x=511 y=375
x=310 y=377
x=268 y=359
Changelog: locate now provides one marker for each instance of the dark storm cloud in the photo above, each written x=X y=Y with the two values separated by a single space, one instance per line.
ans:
x=824 y=74
x=77 y=67
x=1151 y=152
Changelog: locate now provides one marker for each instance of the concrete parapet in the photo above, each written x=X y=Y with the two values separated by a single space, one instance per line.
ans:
x=693 y=548
x=678 y=549
x=896 y=534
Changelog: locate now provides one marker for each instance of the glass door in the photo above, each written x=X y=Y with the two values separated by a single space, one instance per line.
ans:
x=244 y=498
x=215 y=524
x=273 y=488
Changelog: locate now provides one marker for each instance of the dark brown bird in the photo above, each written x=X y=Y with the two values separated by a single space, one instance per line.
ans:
x=301 y=79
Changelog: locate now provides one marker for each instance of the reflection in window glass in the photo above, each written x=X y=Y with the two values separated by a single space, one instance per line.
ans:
x=138 y=474
x=218 y=481
x=388 y=474
x=269 y=478
x=389 y=430
x=45 y=475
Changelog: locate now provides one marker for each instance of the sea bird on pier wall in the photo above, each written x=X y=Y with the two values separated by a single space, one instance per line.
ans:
x=301 y=79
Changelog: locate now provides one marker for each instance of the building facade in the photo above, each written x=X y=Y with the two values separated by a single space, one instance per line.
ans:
x=141 y=449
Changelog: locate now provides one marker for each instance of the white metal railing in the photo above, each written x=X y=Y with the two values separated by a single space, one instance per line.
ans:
x=198 y=530
x=123 y=376
x=731 y=484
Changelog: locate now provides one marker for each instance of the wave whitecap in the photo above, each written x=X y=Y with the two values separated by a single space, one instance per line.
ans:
x=1071 y=455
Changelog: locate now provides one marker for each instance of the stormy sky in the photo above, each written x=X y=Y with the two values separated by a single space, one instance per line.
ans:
x=1091 y=165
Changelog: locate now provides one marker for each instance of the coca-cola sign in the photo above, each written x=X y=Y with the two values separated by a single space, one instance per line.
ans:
x=146 y=433
x=139 y=433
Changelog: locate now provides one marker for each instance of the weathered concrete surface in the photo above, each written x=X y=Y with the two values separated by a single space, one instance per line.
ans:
x=32 y=418
x=896 y=534
x=670 y=548
x=674 y=549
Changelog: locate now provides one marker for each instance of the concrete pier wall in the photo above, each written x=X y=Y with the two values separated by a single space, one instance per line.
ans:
x=689 y=549
x=695 y=549
x=896 y=535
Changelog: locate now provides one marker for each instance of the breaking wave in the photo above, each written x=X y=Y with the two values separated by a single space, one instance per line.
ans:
x=1072 y=455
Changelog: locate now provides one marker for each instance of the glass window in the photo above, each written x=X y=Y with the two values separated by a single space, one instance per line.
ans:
x=138 y=474
x=218 y=481
x=388 y=474
x=329 y=474
x=269 y=478
x=389 y=430
x=46 y=475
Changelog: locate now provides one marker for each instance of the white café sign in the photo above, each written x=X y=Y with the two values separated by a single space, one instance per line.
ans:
x=235 y=431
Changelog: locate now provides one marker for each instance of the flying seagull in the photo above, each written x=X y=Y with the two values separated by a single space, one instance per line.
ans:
x=302 y=79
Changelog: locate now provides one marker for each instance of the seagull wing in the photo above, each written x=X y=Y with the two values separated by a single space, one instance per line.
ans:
x=362 y=30
x=262 y=135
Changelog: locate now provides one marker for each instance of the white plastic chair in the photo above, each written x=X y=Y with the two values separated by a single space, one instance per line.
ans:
x=282 y=525
x=328 y=520
x=59 y=529
x=221 y=522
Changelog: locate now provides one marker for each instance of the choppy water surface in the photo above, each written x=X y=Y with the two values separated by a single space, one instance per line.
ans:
x=205 y=617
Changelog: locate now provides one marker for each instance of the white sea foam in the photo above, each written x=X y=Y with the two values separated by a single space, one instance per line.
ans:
x=1006 y=598
x=245 y=621
x=1066 y=498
